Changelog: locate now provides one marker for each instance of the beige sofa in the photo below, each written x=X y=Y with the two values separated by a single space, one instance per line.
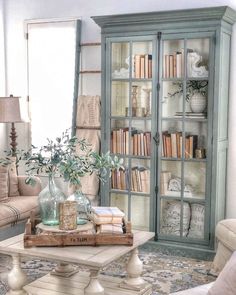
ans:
x=15 y=210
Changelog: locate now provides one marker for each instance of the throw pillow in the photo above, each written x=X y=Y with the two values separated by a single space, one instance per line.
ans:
x=225 y=283
x=3 y=183
x=171 y=218
x=196 y=229
x=13 y=179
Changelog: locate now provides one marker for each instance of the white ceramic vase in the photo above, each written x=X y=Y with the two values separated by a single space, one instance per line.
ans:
x=198 y=102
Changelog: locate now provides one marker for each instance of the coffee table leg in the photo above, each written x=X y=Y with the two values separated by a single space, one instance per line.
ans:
x=16 y=277
x=64 y=269
x=94 y=287
x=134 y=270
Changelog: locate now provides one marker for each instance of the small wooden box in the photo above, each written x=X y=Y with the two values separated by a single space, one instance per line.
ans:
x=31 y=238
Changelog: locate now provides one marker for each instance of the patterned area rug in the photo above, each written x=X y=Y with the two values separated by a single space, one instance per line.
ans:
x=167 y=273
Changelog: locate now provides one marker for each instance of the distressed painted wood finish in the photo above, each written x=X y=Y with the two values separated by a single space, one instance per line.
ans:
x=214 y=23
x=84 y=255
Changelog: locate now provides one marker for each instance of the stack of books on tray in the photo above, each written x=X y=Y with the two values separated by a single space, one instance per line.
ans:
x=107 y=219
x=191 y=115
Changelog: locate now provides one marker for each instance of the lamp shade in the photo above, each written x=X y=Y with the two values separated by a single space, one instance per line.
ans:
x=10 y=110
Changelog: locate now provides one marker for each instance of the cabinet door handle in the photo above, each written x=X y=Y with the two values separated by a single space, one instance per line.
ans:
x=156 y=138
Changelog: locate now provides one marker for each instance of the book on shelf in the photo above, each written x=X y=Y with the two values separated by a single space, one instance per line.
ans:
x=171 y=65
x=164 y=181
x=172 y=145
x=142 y=66
x=137 y=61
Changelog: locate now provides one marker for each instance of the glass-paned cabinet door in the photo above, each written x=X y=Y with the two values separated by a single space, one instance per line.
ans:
x=184 y=131
x=130 y=117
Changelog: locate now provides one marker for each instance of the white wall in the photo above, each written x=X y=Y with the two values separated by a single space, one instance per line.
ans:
x=3 y=138
x=19 y=10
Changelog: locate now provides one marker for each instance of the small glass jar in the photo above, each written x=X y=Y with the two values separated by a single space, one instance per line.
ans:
x=83 y=206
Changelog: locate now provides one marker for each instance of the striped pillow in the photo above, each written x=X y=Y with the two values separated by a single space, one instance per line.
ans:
x=13 y=179
x=3 y=183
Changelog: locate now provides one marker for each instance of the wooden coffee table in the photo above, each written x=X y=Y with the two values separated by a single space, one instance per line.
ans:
x=94 y=258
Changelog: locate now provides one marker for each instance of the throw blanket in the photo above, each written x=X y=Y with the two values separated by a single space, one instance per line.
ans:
x=88 y=127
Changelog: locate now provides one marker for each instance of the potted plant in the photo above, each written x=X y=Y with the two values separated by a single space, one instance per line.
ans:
x=59 y=157
x=196 y=91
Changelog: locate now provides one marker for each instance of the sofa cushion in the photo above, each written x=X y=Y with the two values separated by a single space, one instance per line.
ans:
x=17 y=209
x=225 y=283
x=3 y=183
x=13 y=179
x=200 y=290
x=226 y=233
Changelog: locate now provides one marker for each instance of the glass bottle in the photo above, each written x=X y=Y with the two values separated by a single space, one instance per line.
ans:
x=83 y=206
x=49 y=199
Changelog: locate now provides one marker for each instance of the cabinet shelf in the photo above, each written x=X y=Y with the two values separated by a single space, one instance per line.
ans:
x=132 y=156
x=189 y=200
x=130 y=117
x=187 y=119
x=125 y=192
x=182 y=79
x=131 y=79
x=204 y=160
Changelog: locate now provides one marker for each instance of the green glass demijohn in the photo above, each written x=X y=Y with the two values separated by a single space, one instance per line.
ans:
x=49 y=199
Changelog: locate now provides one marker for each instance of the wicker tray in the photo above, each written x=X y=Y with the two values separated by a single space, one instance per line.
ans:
x=55 y=238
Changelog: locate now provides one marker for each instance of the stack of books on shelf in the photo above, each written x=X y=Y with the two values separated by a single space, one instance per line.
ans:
x=120 y=141
x=141 y=143
x=107 y=219
x=191 y=115
x=174 y=65
x=140 y=179
x=142 y=66
x=172 y=145
x=120 y=179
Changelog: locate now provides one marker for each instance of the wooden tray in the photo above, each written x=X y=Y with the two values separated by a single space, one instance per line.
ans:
x=32 y=239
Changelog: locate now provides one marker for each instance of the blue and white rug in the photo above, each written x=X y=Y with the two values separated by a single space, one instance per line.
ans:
x=167 y=273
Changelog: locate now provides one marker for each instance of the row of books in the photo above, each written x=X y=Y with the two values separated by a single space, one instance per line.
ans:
x=140 y=179
x=120 y=179
x=142 y=66
x=174 y=65
x=172 y=145
x=138 y=145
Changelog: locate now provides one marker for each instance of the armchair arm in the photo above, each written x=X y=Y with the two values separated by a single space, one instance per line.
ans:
x=27 y=189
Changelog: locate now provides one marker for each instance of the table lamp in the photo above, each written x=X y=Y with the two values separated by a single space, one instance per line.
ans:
x=10 y=112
